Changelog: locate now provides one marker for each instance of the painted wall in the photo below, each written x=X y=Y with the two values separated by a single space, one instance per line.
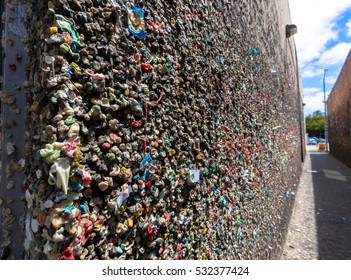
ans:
x=339 y=115
x=161 y=130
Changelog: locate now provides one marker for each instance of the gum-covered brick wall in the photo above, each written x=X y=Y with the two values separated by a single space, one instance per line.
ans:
x=160 y=129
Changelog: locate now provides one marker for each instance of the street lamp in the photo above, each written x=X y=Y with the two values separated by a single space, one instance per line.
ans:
x=325 y=114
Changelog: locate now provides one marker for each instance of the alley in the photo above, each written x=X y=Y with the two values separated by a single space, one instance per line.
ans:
x=320 y=227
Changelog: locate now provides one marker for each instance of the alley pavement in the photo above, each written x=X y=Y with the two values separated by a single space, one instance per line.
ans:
x=320 y=227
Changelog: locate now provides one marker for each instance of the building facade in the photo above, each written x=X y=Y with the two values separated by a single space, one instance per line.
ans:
x=339 y=115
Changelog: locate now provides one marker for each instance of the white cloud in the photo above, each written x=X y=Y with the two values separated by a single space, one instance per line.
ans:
x=349 y=26
x=331 y=80
x=310 y=91
x=311 y=71
x=315 y=20
x=313 y=101
x=335 y=55
x=317 y=72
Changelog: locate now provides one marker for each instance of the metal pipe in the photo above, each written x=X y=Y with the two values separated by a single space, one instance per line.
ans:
x=325 y=114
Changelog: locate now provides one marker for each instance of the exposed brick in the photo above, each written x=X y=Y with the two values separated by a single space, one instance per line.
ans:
x=339 y=115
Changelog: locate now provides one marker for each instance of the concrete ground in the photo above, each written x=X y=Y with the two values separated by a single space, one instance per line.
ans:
x=320 y=227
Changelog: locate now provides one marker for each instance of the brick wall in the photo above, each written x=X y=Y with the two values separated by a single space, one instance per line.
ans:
x=339 y=115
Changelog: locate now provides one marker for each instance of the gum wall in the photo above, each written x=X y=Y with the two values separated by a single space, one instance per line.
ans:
x=153 y=130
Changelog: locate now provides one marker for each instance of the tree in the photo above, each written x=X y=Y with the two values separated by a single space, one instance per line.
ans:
x=315 y=123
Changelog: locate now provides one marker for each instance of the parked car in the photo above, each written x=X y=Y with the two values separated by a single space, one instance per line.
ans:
x=311 y=141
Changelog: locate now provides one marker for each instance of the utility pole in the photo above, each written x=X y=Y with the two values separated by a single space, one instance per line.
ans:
x=325 y=114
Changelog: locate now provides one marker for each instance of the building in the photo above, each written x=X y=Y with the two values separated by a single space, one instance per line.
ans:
x=339 y=115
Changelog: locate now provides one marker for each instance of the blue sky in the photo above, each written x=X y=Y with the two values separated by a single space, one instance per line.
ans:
x=323 y=41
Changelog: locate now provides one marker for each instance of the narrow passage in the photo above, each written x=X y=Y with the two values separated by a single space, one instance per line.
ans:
x=320 y=227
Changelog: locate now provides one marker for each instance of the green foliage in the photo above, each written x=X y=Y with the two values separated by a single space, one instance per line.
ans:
x=315 y=122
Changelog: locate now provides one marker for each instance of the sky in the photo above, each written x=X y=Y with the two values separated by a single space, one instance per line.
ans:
x=323 y=41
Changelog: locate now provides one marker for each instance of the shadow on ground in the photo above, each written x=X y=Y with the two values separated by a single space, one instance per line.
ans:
x=332 y=195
